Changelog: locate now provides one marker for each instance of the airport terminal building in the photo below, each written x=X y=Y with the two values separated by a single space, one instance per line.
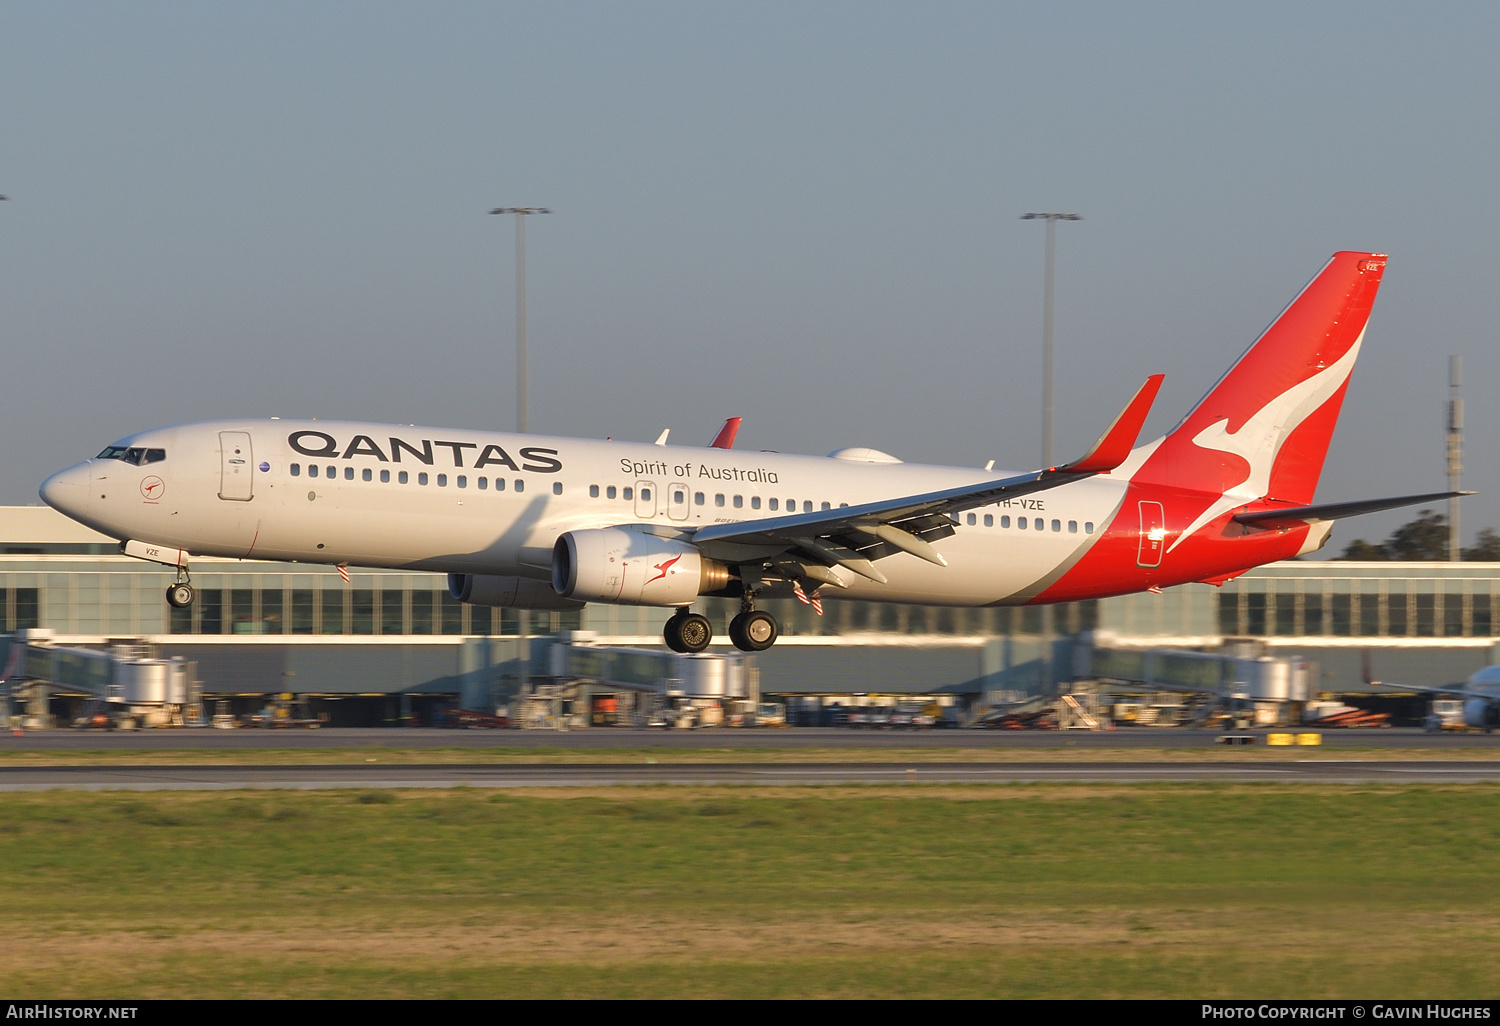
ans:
x=392 y=645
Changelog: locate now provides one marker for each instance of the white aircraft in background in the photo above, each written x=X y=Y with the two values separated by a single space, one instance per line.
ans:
x=543 y=522
x=1480 y=695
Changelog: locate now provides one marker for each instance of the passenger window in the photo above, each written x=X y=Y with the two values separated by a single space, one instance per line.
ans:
x=312 y=470
x=989 y=520
x=422 y=478
x=609 y=492
x=593 y=491
x=385 y=477
x=463 y=482
x=697 y=498
x=645 y=495
x=1072 y=527
x=1021 y=523
x=1088 y=527
x=807 y=505
x=556 y=487
x=403 y=477
x=843 y=505
x=755 y=502
x=718 y=500
x=678 y=498
x=442 y=480
x=348 y=473
x=827 y=506
x=973 y=519
x=499 y=484
x=483 y=483
x=1057 y=525
x=773 y=504
x=296 y=469
x=367 y=474
x=1005 y=521
x=627 y=493
x=520 y=485
x=739 y=502
x=1037 y=523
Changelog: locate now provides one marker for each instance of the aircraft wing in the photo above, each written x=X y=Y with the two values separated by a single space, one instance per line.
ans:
x=853 y=537
x=1296 y=516
x=1456 y=691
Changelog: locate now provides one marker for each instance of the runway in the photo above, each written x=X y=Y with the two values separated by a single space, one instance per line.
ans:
x=605 y=739
x=804 y=774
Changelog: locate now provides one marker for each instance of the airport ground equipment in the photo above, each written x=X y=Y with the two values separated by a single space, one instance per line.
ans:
x=125 y=683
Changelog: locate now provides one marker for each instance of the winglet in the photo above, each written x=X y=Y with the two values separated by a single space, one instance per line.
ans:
x=1113 y=448
x=725 y=438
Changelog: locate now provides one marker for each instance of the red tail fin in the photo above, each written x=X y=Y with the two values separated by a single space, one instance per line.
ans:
x=1264 y=429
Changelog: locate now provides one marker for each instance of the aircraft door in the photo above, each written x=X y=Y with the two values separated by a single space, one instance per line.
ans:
x=236 y=466
x=645 y=500
x=1153 y=534
x=677 y=501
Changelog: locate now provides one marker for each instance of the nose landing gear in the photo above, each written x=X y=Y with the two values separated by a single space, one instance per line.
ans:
x=181 y=593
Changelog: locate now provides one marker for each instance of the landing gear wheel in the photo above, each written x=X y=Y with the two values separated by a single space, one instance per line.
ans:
x=688 y=632
x=180 y=595
x=753 y=631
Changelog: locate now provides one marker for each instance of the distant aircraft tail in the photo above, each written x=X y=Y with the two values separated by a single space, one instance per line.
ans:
x=1263 y=430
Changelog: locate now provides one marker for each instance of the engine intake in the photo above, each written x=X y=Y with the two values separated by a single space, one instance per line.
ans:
x=615 y=565
x=511 y=592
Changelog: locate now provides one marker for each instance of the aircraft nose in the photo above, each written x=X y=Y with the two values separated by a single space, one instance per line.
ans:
x=67 y=491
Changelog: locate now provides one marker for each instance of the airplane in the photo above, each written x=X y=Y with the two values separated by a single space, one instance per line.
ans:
x=542 y=522
x=1480 y=694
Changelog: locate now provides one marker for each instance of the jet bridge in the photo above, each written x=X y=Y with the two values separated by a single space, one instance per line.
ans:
x=122 y=682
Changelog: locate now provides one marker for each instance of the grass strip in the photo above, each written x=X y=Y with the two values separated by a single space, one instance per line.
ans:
x=1174 y=890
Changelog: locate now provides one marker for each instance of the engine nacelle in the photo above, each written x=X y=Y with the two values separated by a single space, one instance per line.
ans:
x=511 y=592
x=1481 y=712
x=615 y=565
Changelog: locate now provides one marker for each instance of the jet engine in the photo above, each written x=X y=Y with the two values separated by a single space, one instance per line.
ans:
x=1481 y=712
x=511 y=592
x=615 y=565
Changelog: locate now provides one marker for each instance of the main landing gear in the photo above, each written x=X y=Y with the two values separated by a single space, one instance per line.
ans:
x=687 y=631
x=752 y=630
x=181 y=593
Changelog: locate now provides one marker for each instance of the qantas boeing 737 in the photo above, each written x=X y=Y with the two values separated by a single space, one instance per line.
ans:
x=546 y=523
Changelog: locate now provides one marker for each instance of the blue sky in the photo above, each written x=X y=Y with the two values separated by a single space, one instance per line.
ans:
x=805 y=214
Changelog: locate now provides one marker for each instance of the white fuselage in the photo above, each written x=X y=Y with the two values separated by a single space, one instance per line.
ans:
x=479 y=502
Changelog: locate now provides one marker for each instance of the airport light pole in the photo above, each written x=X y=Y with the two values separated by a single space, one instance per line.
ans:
x=1047 y=294
x=521 y=214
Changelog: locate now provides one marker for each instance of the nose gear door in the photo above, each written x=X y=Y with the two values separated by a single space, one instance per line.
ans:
x=236 y=466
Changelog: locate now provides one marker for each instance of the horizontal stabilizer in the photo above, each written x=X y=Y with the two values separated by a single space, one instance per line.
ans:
x=1295 y=516
x=1113 y=448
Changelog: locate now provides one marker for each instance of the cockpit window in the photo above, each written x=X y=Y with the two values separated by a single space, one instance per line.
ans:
x=134 y=456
